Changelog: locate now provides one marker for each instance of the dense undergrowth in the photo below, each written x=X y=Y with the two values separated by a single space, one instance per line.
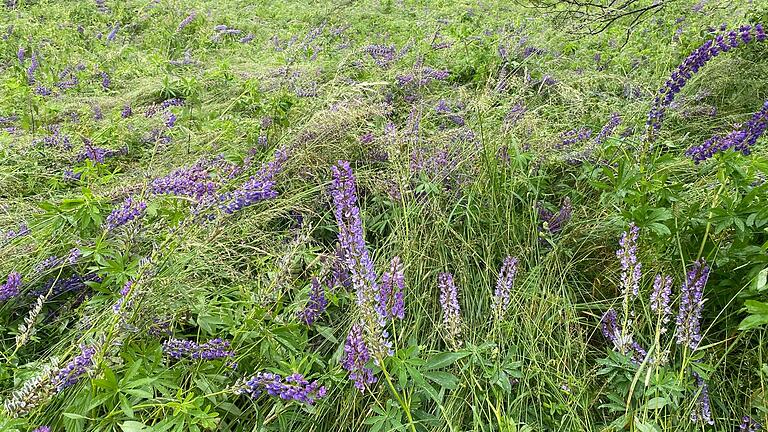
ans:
x=381 y=215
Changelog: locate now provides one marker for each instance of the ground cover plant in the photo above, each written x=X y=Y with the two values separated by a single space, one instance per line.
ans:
x=383 y=215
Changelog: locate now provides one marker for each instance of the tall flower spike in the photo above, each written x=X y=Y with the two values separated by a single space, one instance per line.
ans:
x=660 y=297
x=293 y=387
x=356 y=356
x=449 y=301
x=347 y=214
x=392 y=285
x=630 y=267
x=740 y=139
x=703 y=410
x=688 y=323
x=127 y=212
x=502 y=295
x=79 y=366
x=316 y=304
x=10 y=288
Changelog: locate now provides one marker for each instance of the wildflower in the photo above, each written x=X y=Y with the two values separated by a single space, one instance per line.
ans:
x=574 y=136
x=32 y=393
x=10 y=288
x=347 y=214
x=609 y=128
x=54 y=261
x=501 y=297
x=112 y=34
x=126 y=112
x=356 y=356
x=339 y=274
x=33 y=65
x=704 y=411
x=554 y=222
x=127 y=212
x=294 y=387
x=105 y=81
x=720 y=43
x=20 y=232
x=622 y=340
x=79 y=366
x=170 y=121
x=688 y=323
x=97 y=154
x=449 y=301
x=42 y=429
x=212 y=350
x=741 y=138
x=20 y=54
x=391 y=294
x=27 y=329
x=316 y=305
x=630 y=267
x=258 y=188
x=748 y=424
x=123 y=294
x=97 y=114
x=186 y=21
x=193 y=182
x=247 y=38
x=660 y=296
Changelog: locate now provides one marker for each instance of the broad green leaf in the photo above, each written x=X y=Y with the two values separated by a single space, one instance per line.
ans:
x=444 y=359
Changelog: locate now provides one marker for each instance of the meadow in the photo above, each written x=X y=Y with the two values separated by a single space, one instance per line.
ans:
x=383 y=215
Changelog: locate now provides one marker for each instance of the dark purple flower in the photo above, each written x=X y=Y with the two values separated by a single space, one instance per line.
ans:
x=186 y=21
x=33 y=65
x=630 y=267
x=258 y=188
x=42 y=429
x=11 y=234
x=391 y=302
x=97 y=154
x=504 y=283
x=112 y=34
x=97 y=114
x=748 y=424
x=383 y=55
x=316 y=304
x=20 y=54
x=214 y=349
x=449 y=301
x=127 y=111
x=660 y=297
x=688 y=323
x=79 y=366
x=703 y=410
x=609 y=128
x=356 y=356
x=574 y=136
x=194 y=182
x=554 y=222
x=741 y=138
x=170 y=121
x=247 y=38
x=294 y=387
x=125 y=213
x=58 y=287
x=351 y=237
x=10 y=288
x=105 y=81
x=621 y=339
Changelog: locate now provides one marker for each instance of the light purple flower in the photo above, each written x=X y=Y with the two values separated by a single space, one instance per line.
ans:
x=504 y=283
x=449 y=301
x=10 y=288
x=688 y=323
x=356 y=356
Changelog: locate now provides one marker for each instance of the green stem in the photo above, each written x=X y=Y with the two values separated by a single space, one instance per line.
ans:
x=398 y=397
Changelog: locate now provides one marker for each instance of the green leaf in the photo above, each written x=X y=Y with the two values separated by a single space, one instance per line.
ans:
x=75 y=416
x=444 y=359
x=444 y=379
x=656 y=403
x=327 y=333
x=645 y=427
x=133 y=426
x=760 y=280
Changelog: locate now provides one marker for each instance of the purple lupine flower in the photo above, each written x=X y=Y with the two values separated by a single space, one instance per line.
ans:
x=247 y=38
x=171 y=102
x=391 y=301
x=42 y=90
x=54 y=261
x=507 y=273
x=748 y=424
x=193 y=182
x=741 y=138
x=351 y=238
x=574 y=136
x=721 y=42
x=101 y=6
x=123 y=294
x=42 y=429
x=125 y=213
x=660 y=296
x=97 y=154
x=356 y=356
x=316 y=304
x=186 y=21
x=517 y=112
x=33 y=65
x=214 y=349
x=449 y=301
x=339 y=274
x=97 y=114
x=688 y=323
x=105 y=81
x=10 y=288
x=383 y=55
x=112 y=34
x=127 y=111
x=20 y=232
x=58 y=287
x=622 y=342
x=704 y=410
x=258 y=188
x=170 y=121
x=554 y=222
x=294 y=387
x=630 y=267
x=20 y=54
x=609 y=128
x=609 y=326
x=79 y=366
x=70 y=175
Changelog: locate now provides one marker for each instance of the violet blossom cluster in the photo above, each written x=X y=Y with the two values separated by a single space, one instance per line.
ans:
x=316 y=304
x=621 y=339
x=422 y=77
x=293 y=387
x=214 y=349
x=688 y=322
x=554 y=222
x=449 y=301
x=703 y=410
x=660 y=298
x=70 y=374
x=58 y=286
x=748 y=424
x=356 y=356
x=609 y=128
x=125 y=213
x=194 y=182
x=722 y=42
x=10 y=288
x=12 y=234
x=740 y=139
x=630 y=266
x=351 y=238
x=97 y=154
x=383 y=55
x=391 y=301
x=258 y=188
x=574 y=136
x=186 y=21
x=55 y=261
x=55 y=139
x=504 y=283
